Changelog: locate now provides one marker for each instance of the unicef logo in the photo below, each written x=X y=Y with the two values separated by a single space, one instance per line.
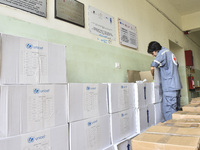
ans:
x=89 y=123
x=36 y=91
x=31 y=139
x=87 y=88
x=29 y=46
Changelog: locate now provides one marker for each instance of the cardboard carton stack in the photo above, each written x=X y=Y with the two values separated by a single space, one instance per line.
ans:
x=123 y=115
x=33 y=95
x=152 y=141
x=182 y=132
x=172 y=134
x=89 y=122
x=136 y=104
x=195 y=100
x=149 y=101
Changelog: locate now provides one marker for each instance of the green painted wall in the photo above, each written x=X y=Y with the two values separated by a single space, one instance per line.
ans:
x=87 y=60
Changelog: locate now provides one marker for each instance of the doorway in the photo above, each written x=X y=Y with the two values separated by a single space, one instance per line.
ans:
x=180 y=56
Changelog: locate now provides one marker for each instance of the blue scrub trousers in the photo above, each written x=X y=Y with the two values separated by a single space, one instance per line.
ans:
x=170 y=101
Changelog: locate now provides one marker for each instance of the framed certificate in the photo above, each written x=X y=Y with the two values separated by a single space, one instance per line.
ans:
x=101 y=24
x=38 y=7
x=127 y=34
x=71 y=11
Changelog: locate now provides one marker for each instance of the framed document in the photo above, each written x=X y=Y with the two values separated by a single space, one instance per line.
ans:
x=38 y=7
x=101 y=23
x=71 y=11
x=127 y=34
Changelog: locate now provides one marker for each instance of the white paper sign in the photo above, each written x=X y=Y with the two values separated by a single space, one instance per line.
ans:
x=40 y=107
x=127 y=34
x=101 y=23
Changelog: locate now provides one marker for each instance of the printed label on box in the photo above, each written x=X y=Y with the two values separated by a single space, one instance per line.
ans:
x=39 y=141
x=33 y=61
x=124 y=123
x=93 y=134
x=124 y=100
x=40 y=107
x=90 y=99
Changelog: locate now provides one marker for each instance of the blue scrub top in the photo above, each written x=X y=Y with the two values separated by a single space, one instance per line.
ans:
x=168 y=64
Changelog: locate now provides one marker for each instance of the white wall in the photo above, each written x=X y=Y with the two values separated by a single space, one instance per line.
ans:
x=151 y=25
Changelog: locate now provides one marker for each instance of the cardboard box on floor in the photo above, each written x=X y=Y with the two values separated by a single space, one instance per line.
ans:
x=184 y=121
x=185 y=115
x=191 y=108
x=150 y=141
x=195 y=100
x=181 y=125
x=174 y=130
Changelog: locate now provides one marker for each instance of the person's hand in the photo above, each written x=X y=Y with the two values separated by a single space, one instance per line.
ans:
x=152 y=71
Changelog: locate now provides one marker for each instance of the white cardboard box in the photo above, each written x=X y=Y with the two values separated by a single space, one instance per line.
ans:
x=121 y=96
x=54 y=139
x=153 y=93
x=123 y=145
x=140 y=94
x=110 y=148
x=27 y=61
x=151 y=114
x=145 y=117
x=87 y=100
x=158 y=113
x=26 y=108
x=142 y=119
x=90 y=134
x=150 y=93
x=123 y=124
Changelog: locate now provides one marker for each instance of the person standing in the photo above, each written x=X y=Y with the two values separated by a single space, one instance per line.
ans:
x=170 y=79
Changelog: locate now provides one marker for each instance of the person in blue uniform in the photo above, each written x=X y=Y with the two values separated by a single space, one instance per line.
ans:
x=170 y=79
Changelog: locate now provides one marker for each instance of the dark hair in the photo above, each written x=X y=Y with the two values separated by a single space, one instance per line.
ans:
x=154 y=46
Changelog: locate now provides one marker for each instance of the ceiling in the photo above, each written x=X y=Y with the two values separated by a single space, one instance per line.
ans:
x=185 y=7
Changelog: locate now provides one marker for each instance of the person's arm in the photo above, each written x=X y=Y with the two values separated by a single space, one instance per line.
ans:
x=159 y=61
x=152 y=71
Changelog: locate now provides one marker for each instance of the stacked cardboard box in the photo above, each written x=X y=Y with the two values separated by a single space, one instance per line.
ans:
x=122 y=111
x=140 y=103
x=55 y=138
x=149 y=113
x=168 y=136
x=89 y=120
x=27 y=61
x=182 y=132
x=152 y=141
x=195 y=100
x=191 y=108
x=28 y=108
x=33 y=94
